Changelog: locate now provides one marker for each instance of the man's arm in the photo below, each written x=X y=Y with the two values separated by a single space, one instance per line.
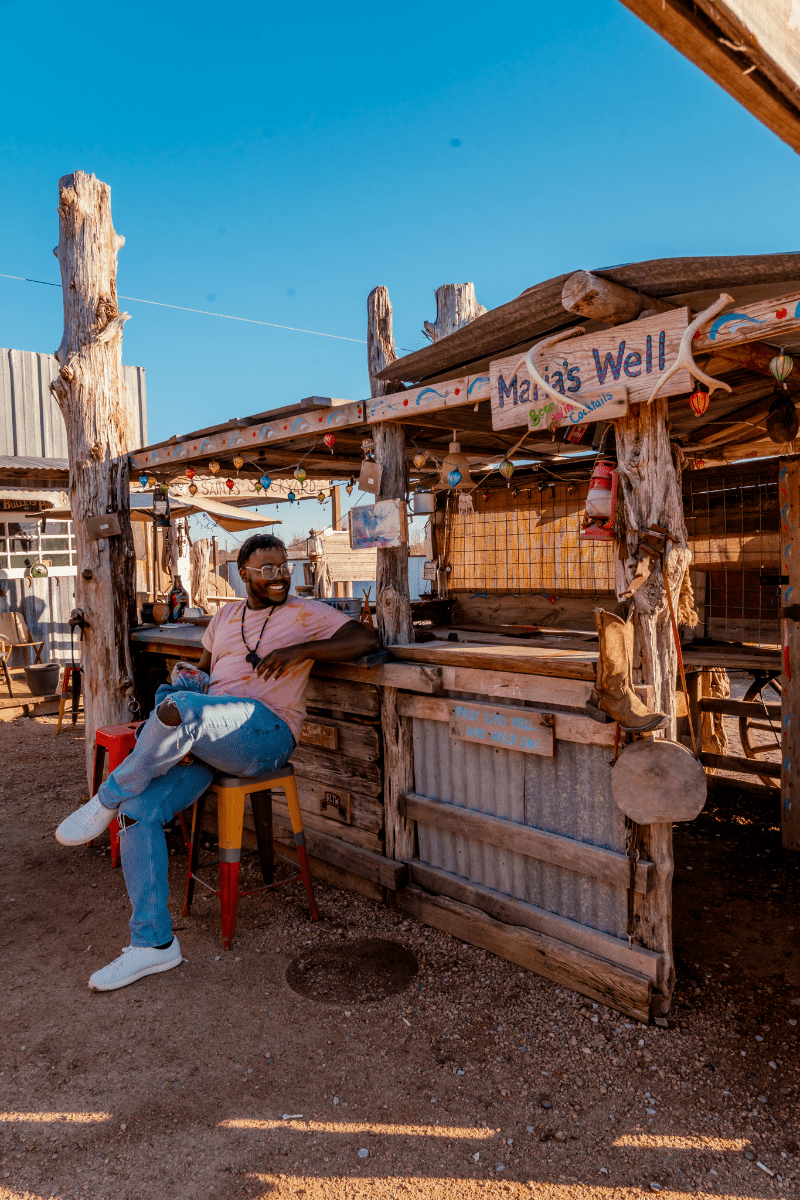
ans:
x=205 y=661
x=350 y=641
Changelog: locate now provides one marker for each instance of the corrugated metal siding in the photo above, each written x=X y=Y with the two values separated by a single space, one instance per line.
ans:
x=31 y=421
x=45 y=605
x=568 y=794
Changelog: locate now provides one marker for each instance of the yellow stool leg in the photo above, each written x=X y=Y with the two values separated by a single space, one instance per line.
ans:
x=230 y=820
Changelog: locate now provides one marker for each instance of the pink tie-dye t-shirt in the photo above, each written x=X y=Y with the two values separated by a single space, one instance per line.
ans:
x=292 y=622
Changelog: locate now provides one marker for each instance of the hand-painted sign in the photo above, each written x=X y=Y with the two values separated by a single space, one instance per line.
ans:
x=502 y=728
x=632 y=355
x=750 y=323
x=602 y=406
x=450 y=393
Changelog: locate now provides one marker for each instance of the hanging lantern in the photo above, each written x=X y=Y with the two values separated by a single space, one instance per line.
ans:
x=455 y=464
x=349 y=489
x=506 y=469
x=189 y=473
x=419 y=460
x=601 y=502
x=257 y=485
x=781 y=365
x=229 y=484
x=330 y=440
x=192 y=489
x=265 y=482
x=292 y=497
x=367 y=446
x=238 y=461
x=213 y=466
x=143 y=479
x=321 y=497
x=314 y=546
x=299 y=474
x=152 y=481
x=699 y=402
x=454 y=477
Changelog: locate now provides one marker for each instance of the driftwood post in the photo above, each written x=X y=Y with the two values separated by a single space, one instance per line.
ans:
x=90 y=392
x=456 y=305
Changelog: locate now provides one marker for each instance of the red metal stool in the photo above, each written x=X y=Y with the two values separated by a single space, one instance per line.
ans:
x=231 y=792
x=117 y=741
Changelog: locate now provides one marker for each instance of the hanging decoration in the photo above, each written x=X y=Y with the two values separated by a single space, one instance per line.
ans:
x=189 y=473
x=300 y=475
x=419 y=460
x=143 y=479
x=152 y=481
x=192 y=489
x=601 y=502
x=465 y=506
x=330 y=440
x=213 y=466
x=291 y=497
x=699 y=401
x=229 y=484
x=321 y=497
x=349 y=486
x=265 y=482
x=454 y=471
x=781 y=366
x=367 y=446
x=506 y=469
x=238 y=461
x=454 y=477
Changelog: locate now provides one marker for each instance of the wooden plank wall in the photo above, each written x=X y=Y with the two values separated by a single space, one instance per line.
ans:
x=789 y=479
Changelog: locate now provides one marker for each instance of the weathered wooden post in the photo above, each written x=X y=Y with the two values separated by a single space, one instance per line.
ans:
x=90 y=392
x=456 y=305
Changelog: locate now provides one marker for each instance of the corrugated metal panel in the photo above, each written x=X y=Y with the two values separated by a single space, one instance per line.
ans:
x=45 y=604
x=30 y=420
x=567 y=794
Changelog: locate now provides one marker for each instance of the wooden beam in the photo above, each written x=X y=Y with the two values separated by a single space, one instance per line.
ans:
x=740 y=764
x=789 y=487
x=619 y=987
x=366 y=863
x=534 y=660
x=568 y=727
x=606 y=865
x=600 y=299
x=739 y=708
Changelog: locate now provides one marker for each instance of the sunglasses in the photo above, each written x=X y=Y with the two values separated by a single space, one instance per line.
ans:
x=269 y=572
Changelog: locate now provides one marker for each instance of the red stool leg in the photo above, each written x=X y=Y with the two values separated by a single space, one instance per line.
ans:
x=113 y=831
x=228 y=896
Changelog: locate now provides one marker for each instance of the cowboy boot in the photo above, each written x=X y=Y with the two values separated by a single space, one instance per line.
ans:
x=613 y=693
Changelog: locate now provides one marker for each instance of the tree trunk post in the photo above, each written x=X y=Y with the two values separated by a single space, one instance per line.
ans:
x=90 y=392
x=456 y=305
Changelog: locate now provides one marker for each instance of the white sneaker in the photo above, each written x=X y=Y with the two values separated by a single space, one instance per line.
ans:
x=134 y=963
x=85 y=823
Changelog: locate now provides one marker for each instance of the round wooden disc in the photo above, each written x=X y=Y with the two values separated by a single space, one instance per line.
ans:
x=654 y=781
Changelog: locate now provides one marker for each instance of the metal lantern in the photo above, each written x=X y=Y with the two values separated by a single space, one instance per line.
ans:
x=321 y=497
x=143 y=479
x=238 y=461
x=314 y=546
x=455 y=468
x=291 y=497
x=699 y=401
x=506 y=468
x=781 y=365
x=265 y=482
x=192 y=489
x=419 y=460
x=330 y=440
x=454 y=477
x=299 y=474
x=229 y=484
x=189 y=473
x=213 y=466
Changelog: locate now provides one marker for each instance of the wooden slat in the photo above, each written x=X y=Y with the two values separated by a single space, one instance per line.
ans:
x=362 y=862
x=739 y=708
x=338 y=769
x=355 y=738
x=568 y=728
x=533 y=611
x=343 y=695
x=594 y=861
x=527 y=660
x=539 y=689
x=391 y=674
x=517 y=912
x=578 y=969
x=744 y=766
x=789 y=482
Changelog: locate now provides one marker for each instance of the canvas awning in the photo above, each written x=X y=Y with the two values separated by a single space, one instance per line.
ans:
x=231 y=519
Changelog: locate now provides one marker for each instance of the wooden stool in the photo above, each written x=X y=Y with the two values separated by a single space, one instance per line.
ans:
x=231 y=791
x=117 y=741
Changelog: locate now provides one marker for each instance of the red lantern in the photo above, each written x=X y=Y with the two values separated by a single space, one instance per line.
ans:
x=330 y=440
x=699 y=402
x=189 y=472
x=229 y=484
x=601 y=502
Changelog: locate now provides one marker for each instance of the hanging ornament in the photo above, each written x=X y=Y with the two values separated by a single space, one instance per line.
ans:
x=454 y=477
x=367 y=446
x=455 y=464
x=238 y=461
x=292 y=497
x=330 y=440
x=257 y=485
x=189 y=473
x=192 y=489
x=506 y=468
x=152 y=481
x=419 y=460
x=300 y=475
x=321 y=497
x=229 y=484
x=781 y=365
x=143 y=479
x=265 y=482
x=213 y=466
x=699 y=401
x=349 y=489
x=465 y=506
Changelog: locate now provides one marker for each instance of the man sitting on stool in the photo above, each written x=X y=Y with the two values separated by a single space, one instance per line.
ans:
x=259 y=653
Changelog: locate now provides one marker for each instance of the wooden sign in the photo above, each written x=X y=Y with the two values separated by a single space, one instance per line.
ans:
x=447 y=394
x=336 y=804
x=632 y=355
x=313 y=733
x=504 y=728
x=378 y=525
x=750 y=323
x=603 y=406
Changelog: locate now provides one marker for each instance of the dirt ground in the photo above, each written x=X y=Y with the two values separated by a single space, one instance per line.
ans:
x=217 y=1080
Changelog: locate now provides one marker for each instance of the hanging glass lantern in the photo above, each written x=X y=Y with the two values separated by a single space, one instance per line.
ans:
x=238 y=461
x=454 y=477
x=781 y=365
x=189 y=473
x=265 y=482
x=699 y=401
x=213 y=466
x=321 y=497
x=300 y=475
x=229 y=484
x=292 y=497
x=419 y=460
x=152 y=481
x=330 y=440
x=314 y=546
x=192 y=489
x=143 y=479
x=506 y=468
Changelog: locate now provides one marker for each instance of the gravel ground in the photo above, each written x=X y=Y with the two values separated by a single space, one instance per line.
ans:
x=217 y=1080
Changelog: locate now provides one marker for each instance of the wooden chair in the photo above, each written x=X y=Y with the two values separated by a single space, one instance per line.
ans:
x=13 y=633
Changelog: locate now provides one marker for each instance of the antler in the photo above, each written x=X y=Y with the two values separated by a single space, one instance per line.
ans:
x=528 y=361
x=684 y=361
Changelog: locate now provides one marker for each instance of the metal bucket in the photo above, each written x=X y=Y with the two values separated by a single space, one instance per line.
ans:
x=424 y=502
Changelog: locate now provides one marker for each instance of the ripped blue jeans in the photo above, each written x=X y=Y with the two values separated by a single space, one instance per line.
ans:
x=239 y=737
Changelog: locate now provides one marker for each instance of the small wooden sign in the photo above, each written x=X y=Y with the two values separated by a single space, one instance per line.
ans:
x=324 y=736
x=336 y=804
x=502 y=728
x=429 y=569
x=633 y=356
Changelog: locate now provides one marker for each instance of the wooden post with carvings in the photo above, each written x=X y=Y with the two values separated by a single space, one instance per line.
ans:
x=789 y=503
x=90 y=392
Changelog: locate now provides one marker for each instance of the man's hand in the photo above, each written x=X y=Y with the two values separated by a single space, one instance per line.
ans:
x=274 y=664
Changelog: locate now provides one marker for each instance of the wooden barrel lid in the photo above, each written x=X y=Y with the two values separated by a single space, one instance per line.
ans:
x=654 y=781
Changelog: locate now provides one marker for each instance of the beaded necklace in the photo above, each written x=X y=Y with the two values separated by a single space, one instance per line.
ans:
x=252 y=655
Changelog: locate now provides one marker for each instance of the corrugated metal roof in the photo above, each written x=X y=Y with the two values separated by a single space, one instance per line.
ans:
x=31 y=424
x=26 y=465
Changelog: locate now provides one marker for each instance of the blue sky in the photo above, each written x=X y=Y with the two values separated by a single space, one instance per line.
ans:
x=278 y=161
